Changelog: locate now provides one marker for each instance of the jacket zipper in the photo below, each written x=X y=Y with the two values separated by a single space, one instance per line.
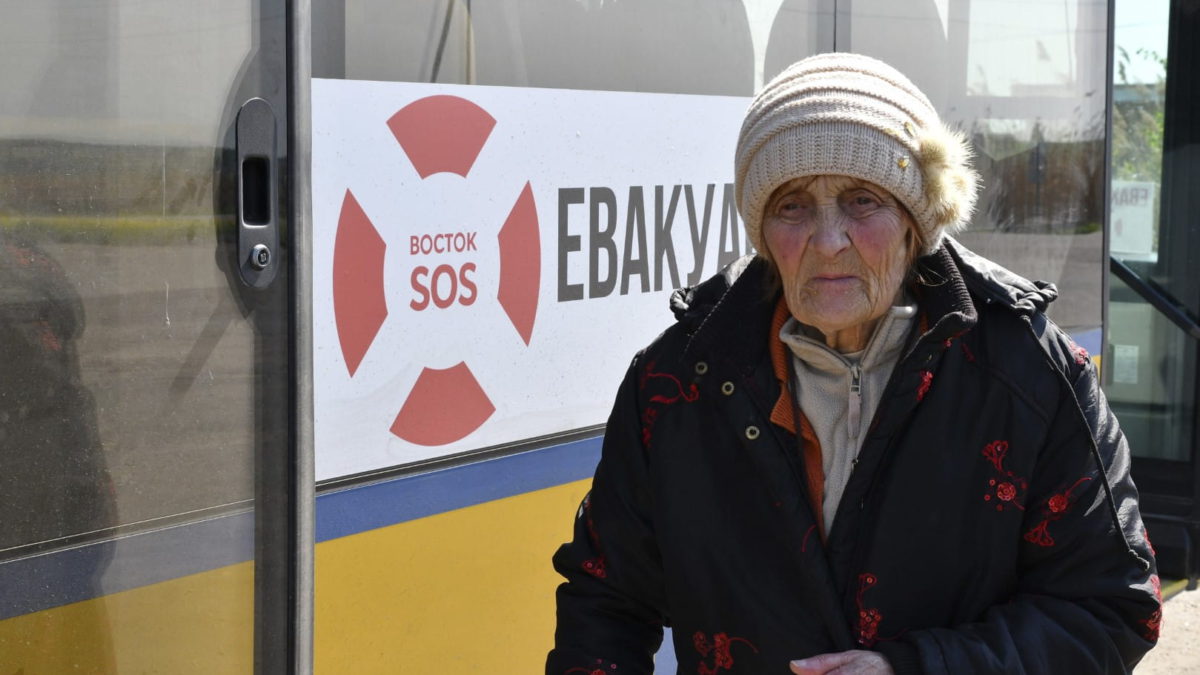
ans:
x=855 y=411
x=859 y=555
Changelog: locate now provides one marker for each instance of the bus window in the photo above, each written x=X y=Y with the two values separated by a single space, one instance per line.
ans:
x=1154 y=302
x=668 y=46
x=1028 y=88
x=139 y=377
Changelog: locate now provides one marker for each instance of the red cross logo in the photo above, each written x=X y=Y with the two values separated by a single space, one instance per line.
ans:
x=439 y=134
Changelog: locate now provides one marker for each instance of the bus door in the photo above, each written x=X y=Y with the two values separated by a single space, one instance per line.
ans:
x=1153 y=348
x=147 y=449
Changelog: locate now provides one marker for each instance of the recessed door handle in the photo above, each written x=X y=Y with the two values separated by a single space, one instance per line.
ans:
x=258 y=197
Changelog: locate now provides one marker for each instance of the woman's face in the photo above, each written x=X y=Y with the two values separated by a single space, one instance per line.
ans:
x=841 y=247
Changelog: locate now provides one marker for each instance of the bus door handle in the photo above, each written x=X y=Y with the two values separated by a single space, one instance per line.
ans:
x=258 y=198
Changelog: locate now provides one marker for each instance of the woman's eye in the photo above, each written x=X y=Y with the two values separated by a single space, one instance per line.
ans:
x=792 y=209
x=861 y=204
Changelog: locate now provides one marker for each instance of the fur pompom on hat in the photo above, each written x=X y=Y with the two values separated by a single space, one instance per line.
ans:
x=852 y=115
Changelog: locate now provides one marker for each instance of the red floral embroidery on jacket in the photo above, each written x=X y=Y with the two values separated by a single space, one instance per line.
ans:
x=995 y=453
x=807 y=534
x=868 y=617
x=594 y=566
x=1055 y=508
x=598 y=669
x=677 y=390
x=1153 y=623
x=926 y=381
x=967 y=352
x=1040 y=534
x=649 y=416
x=1080 y=354
x=720 y=648
x=1005 y=488
x=674 y=392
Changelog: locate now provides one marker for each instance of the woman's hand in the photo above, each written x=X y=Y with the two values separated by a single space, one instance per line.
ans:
x=856 y=662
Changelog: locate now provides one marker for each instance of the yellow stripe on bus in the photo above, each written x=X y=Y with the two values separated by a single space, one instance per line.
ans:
x=467 y=591
x=201 y=623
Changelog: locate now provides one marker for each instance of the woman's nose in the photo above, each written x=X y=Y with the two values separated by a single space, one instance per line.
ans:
x=830 y=236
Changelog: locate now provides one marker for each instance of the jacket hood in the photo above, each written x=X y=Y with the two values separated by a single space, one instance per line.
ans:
x=992 y=282
x=692 y=304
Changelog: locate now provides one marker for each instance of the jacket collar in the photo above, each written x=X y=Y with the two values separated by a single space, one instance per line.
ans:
x=884 y=345
x=730 y=313
x=994 y=283
x=943 y=297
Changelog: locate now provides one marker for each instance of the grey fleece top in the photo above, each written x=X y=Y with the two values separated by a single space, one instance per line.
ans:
x=839 y=393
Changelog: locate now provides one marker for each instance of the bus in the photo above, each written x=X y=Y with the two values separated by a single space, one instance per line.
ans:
x=313 y=312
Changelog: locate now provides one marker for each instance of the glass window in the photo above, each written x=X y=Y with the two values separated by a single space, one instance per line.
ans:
x=128 y=392
x=672 y=46
x=132 y=400
x=1025 y=79
x=800 y=28
x=1151 y=378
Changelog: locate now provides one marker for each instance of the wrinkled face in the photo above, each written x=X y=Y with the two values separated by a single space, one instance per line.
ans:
x=841 y=247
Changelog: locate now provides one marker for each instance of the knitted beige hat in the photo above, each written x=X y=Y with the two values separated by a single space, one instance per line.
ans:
x=852 y=115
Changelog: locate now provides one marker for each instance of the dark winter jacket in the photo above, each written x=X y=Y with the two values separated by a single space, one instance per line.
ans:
x=989 y=526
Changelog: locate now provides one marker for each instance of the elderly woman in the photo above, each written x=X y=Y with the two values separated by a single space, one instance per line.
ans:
x=865 y=450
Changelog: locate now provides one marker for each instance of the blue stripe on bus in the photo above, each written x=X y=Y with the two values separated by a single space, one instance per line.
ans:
x=62 y=577
x=1091 y=340
x=84 y=572
x=340 y=514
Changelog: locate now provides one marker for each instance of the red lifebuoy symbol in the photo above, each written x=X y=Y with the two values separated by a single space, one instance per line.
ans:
x=439 y=134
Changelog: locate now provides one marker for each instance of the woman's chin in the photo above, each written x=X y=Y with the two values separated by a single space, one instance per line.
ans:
x=833 y=314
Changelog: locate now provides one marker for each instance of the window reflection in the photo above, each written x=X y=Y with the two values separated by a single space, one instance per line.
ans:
x=1139 y=96
x=110 y=129
x=800 y=28
x=649 y=45
x=1028 y=48
x=722 y=47
x=1150 y=377
x=1025 y=79
x=54 y=478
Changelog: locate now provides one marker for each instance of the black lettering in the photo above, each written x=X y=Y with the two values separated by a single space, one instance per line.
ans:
x=664 y=246
x=635 y=225
x=699 y=229
x=567 y=243
x=729 y=230
x=602 y=238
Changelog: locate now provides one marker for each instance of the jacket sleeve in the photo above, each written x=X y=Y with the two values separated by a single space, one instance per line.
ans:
x=1088 y=597
x=610 y=608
